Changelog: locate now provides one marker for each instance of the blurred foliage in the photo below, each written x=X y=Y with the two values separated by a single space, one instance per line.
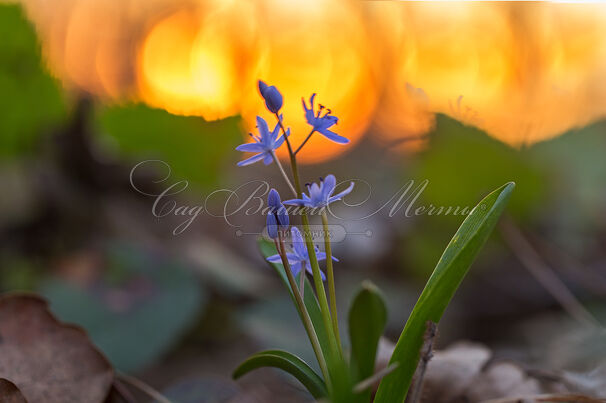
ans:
x=463 y=164
x=31 y=100
x=577 y=160
x=196 y=150
x=139 y=297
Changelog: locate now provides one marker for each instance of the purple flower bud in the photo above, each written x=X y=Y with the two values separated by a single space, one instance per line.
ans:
x=277 y=217
x=273 y=98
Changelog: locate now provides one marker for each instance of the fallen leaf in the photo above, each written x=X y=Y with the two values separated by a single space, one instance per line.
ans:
x=10 y=393
x=47 y=360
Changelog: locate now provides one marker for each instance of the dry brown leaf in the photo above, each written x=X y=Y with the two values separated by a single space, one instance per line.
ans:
x=547 y=399
x=450 y=372
x=502 y=379
x=10 y=393
x=50 y=362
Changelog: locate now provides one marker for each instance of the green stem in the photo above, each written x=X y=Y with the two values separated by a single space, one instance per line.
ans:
x=283 y=173
x=293 y=159
x=304 y=141
x=309 y=327
x=315 y=268
x=331 y=278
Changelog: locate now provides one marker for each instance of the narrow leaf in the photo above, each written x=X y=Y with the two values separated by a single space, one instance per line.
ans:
x=439 y=290
x=367 y=318
x=286 y=362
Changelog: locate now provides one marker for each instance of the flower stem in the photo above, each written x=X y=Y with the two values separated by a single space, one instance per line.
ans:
x=305 y=141
x=309 y=327
x=293 y=159
x=283 y=173
x=315 y=268
x=331 y=278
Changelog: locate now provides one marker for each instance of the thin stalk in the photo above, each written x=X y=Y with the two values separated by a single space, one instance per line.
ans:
x=304 y=141
x=331 y=279
x=143 y=387
x=293 y=159
x=315 y=268
x=319 y=285
x=309 y=327
x=279 y=164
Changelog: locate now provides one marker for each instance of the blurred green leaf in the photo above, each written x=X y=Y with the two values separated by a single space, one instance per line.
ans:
x=286 y=362
x=367 y=319
x=196 y=150
x=137 y=313
x=439 y=290
x=31 y=100
x=450 y=164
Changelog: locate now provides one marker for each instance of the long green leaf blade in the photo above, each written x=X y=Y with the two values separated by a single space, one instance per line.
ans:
x=287 y=362
x=439 y=290
x=367 y=319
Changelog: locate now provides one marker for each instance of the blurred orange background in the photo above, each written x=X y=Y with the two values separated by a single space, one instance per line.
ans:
x=524 y=72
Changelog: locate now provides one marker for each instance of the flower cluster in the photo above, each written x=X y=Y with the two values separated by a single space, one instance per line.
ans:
x=299 y=257
x=318 y=195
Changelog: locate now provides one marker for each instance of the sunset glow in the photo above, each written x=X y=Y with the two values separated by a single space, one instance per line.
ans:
x=523 y=72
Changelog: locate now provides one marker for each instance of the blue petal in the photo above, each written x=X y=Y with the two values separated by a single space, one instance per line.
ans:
x=295 y=268
x=268 y=159
x=292 y=257
x=250 y=148
x=274 y=259
x=320 y=256
x=275 y=133
x=279 y=142
x=283 y=217
x=310 y=271
x=338 y=196
x=251 y=160
x=298 y=242
x=309 y=113
x=328 y=186
x=295 y=202
x=263 y=129
x=273 y=198
x=262 y=87
x=272 y=226
x=334 y=136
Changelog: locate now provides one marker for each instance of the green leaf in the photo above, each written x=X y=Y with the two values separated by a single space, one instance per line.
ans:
x=439 y=290
x=147 y=324
x=367 y=319
x=286 y=362
x=32 y=102
x=195 y=150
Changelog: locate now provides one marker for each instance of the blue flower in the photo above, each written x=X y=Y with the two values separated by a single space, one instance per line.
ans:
x=321 y=195
x=277 y=217
x=321 y=124
x=299 y=258
x=273 y=98
x=264 y=145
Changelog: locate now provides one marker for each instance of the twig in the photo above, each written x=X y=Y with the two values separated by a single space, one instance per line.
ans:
x=143 y=387
x=576 y=271
x=533 y=262
x=124 y=392
x=416 y=389
x=368 y=382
